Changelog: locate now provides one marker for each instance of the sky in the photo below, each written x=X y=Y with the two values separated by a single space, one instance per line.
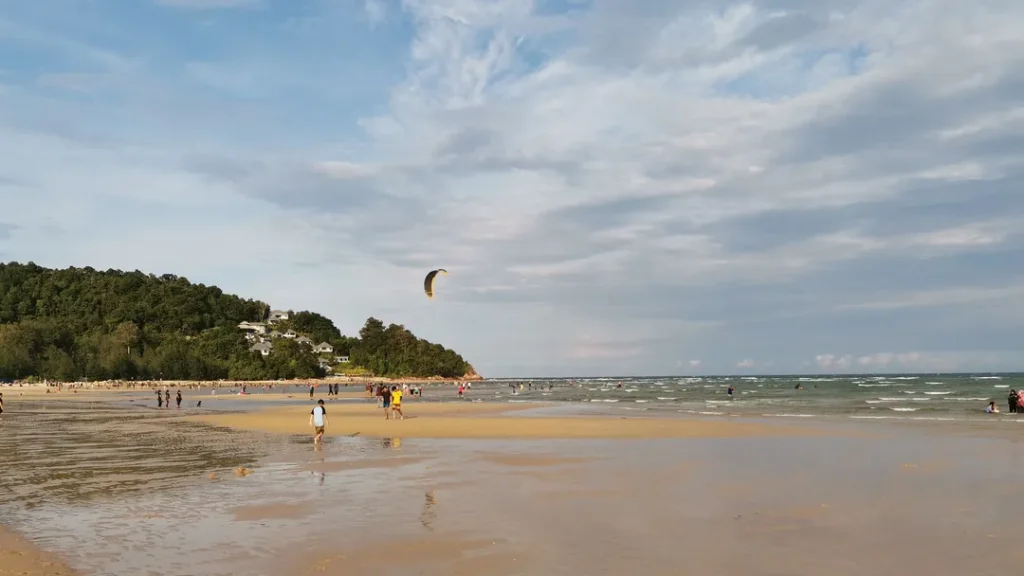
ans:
x=616 y=187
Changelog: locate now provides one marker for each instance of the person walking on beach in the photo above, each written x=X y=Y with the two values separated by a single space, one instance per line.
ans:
x=318 y=420
x=177 y=399
x=1011 y=401
x=159 y=400
x=385 y=397
x=167 y=398
x=310 y=391
x=1 y=403
x=396 y=401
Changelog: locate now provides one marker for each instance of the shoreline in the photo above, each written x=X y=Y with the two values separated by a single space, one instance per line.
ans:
x=121 y=385
x=777 y=487
x=19 y=555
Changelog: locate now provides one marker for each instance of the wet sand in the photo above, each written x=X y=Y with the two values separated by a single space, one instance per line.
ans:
x=489 y=421
x=146 y=492
x=20 y=557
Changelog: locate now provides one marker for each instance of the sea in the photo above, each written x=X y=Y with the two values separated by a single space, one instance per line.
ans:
x=938 y=397
x=882 y=397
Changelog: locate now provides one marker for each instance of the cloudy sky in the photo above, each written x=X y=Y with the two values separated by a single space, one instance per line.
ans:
x=616 y=186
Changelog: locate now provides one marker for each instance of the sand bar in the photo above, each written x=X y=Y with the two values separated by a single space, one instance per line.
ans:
x=489 y=421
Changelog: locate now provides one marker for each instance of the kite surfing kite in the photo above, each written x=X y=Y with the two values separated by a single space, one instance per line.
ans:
x=428 y=282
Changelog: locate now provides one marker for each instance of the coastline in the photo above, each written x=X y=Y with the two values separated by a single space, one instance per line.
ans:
x=498 y=488
x=191 y=384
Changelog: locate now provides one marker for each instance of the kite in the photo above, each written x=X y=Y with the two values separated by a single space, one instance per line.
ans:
x=428 y=282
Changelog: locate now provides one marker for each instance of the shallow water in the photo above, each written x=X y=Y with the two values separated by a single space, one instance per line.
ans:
x=68 y=452
x=133 y=495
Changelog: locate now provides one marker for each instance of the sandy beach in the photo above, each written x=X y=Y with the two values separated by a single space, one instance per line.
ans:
x=492 y=488
x=489 y=421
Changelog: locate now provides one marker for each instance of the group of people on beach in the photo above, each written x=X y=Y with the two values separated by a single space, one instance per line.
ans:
x=164 y=399
x=390 y=399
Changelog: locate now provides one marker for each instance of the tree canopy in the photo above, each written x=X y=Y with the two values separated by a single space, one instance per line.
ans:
x=84 y=323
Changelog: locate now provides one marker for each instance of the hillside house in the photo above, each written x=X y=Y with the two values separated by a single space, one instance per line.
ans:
x=255 y=327
x=277 y=316
x=341 y=359
x=291 y=334
x=264 y=348
x=323 y=348
x=275 y=334
x=304 y=340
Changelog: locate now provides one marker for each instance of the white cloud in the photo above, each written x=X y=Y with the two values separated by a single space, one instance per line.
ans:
x=746 y=363
x=376 y=11
x=607 y=185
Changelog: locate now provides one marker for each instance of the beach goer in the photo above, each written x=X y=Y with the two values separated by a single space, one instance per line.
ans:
x=396 y=401
x=385 y=401
x=1 y=403
x=318 y=420
x=167 y=398
x=177 y=399
x=991 y=409
x=159 y=399
x=731 y=391
x=1011 y=401
x=310 y=391
x=460 y=390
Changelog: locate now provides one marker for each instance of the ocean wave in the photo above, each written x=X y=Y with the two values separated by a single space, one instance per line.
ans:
x=789 y=415
x=986 y=377
x=666 y=397
x=1001 y=386
x=939 y=392
x=903 y=409
x=978 y=399
x=874 y=385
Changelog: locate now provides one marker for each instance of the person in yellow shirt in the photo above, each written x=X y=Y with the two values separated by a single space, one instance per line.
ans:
x=396 y=401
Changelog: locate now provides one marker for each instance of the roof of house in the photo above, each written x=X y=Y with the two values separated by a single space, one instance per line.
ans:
x=261 y=347
x=324 y=345
x=303 y=339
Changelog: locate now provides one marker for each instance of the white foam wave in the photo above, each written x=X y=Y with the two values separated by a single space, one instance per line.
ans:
x=903 y=409
x=939 y=393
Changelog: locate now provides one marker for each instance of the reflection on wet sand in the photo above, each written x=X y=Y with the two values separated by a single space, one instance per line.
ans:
x=131 y=493
x=69 y=455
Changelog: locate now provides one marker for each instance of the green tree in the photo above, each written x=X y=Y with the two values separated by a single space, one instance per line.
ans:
x=81 y=322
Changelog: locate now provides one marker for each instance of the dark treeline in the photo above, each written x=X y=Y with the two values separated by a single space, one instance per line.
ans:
x=83 y=323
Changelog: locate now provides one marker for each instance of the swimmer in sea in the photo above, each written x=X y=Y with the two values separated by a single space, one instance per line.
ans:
x=731 y=391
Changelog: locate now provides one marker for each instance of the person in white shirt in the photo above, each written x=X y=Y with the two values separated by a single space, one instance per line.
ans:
x=318 y=420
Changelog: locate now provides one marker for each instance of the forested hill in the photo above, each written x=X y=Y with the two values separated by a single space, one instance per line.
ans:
x=84 y=323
